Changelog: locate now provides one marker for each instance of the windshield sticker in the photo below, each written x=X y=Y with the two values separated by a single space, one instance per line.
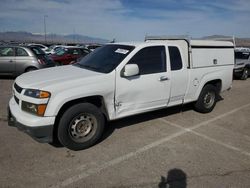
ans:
x=122 y=51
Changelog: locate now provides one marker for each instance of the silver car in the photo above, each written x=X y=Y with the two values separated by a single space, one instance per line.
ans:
x=15 y=60
x=242 y=63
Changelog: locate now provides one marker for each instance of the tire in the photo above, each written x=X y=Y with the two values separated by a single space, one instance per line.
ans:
x=81 y=126
x=57 y=63
x=207 y=99
x=30 y=69
x=244 y=75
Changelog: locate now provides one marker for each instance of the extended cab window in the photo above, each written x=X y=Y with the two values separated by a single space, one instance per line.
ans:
x=175 y=58
x=150 y=60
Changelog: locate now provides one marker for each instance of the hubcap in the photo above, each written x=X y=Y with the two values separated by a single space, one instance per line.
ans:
x=209 y=99
x=245 y=74
x=82 y=127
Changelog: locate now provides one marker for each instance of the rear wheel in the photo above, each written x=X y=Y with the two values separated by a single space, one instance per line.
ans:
x=244 y=75
x=207 y=99
x=81 y=126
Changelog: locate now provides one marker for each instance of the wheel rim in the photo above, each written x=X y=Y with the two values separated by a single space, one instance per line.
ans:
x=245 y=74
x=209 y=99
x=82 y=127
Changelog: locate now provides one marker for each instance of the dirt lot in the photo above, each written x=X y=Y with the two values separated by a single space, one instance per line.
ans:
x=175 y=147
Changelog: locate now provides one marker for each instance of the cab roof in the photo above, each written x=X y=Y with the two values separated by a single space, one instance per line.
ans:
x=192 y=43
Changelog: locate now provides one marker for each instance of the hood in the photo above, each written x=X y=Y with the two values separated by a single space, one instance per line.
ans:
x=50 y=78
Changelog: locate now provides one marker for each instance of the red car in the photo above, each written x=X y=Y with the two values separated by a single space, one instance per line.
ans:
x=68 y=55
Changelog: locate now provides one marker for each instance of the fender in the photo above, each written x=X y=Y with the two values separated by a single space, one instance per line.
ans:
x=57 y=101
x=206 y=79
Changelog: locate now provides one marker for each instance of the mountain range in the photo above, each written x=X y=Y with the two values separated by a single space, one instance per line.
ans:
x=27 y=37
x=21 y=36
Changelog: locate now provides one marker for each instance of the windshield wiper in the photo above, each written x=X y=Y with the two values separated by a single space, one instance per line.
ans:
x=86 y=66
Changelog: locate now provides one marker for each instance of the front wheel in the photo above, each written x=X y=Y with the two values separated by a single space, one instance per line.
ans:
x=244 y=75
x=207 y=99
x=81 y=126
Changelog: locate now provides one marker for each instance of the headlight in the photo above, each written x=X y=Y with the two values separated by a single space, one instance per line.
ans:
x=37 y=93
x=36 y=109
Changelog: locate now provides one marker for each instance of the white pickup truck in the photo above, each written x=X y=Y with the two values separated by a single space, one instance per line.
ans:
x=72 y=103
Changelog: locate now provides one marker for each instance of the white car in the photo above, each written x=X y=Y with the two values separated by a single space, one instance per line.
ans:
x=52 y=49
x=41 y=46
x=118 y=80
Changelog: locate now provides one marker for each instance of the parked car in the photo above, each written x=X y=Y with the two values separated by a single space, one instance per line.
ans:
x=53 y=49
x=15 y=60
x=92 y=47
x=41 y=46
x=118 y=80
x=242 y=63
x=69 y=55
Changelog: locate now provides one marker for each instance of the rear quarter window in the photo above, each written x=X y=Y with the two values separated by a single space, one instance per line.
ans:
x=20 y=52
x=175 y=58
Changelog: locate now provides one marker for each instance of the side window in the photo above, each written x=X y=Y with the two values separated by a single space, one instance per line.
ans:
x=21 y=52
x=150 y=60
x=6 y=51
x=175 y=58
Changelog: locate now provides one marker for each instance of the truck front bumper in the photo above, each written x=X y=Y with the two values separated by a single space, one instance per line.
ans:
x=238 y=71
x=39 y=128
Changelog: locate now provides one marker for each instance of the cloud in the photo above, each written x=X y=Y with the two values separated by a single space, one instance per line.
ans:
x=127 y=20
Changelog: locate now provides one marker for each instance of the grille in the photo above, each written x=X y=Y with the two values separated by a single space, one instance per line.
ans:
x=18 y=88
x=16 y=99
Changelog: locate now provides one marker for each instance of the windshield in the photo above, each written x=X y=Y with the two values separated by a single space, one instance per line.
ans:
x=106 y=58
x=242 y=55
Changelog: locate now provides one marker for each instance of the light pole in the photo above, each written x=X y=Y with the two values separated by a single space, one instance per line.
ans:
x=45 y=37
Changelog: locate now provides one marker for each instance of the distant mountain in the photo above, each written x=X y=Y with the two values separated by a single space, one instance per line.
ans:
x=77 y=37
x=22 y=36
x=216 y=37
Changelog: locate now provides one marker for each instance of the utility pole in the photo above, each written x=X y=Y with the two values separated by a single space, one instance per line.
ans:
x=45 y=34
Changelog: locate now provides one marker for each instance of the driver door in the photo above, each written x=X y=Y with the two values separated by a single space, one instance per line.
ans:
x=148 y=90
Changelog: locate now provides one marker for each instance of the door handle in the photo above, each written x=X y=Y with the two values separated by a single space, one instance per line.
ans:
x=11 y=61
x=163 y=78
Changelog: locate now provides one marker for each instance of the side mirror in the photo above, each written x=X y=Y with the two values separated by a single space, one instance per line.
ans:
x=131 y=70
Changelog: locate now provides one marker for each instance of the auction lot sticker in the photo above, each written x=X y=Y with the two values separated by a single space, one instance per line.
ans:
x=121 y=51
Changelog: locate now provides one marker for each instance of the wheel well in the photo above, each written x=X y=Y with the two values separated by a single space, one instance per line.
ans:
x=30 y=67
x=98 y=101
x=217 y=83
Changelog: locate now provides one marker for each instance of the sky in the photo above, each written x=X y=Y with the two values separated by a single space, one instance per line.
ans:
x=127 y=20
